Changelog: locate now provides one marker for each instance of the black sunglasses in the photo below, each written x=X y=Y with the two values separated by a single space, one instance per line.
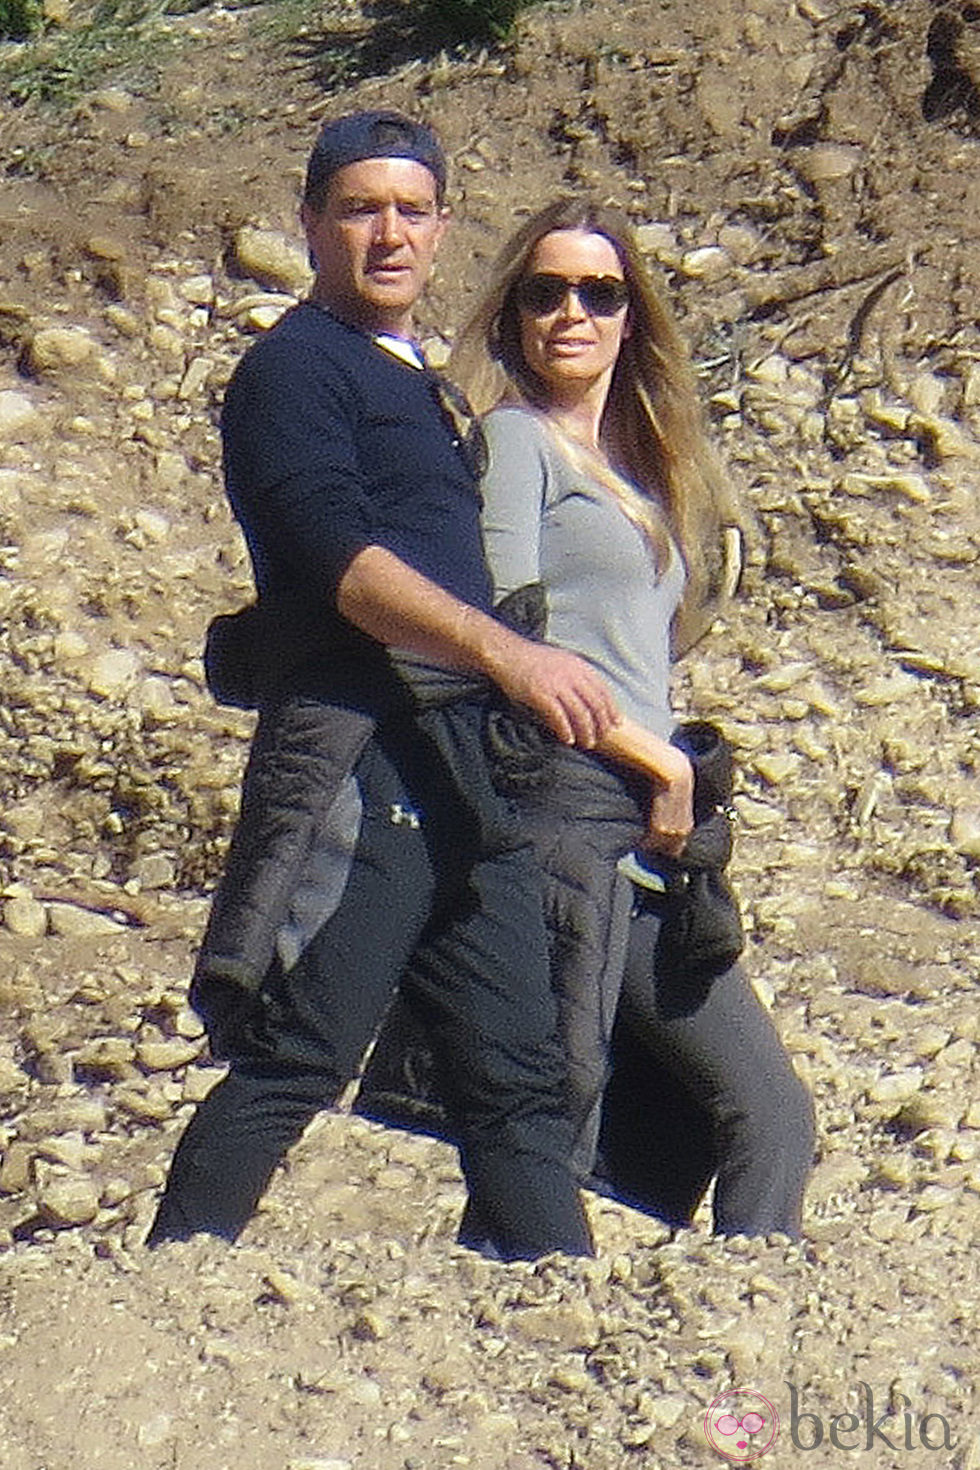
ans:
x=544 y=292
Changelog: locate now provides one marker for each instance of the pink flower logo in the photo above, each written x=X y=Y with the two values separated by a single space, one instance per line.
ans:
x=741 y=1425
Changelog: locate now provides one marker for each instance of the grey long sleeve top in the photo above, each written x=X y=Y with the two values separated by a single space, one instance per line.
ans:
x=546 y=521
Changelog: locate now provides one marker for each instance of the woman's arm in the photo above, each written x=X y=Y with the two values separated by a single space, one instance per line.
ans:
x=671 y=775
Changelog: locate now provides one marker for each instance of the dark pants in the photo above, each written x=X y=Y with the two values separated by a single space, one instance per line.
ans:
x=459 y=896
x=703 y=1089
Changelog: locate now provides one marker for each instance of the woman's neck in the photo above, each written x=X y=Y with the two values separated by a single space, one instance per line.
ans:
x=578 y=413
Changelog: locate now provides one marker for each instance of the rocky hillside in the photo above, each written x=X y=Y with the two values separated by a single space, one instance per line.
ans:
x=805 y=179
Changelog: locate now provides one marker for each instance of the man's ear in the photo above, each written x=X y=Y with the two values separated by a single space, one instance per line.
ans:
x=306 y=219
x=445 y=215
x=628 y=326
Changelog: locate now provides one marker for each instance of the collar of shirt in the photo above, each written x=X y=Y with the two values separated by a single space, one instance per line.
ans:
x=400 y=347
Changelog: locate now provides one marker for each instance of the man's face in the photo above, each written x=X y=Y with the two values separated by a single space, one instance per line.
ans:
x=375 y=241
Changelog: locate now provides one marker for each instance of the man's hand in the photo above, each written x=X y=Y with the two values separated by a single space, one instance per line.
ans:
x=560 y=688
x=397 y=605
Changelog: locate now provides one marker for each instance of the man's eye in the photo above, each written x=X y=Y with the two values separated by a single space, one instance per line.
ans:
x=415 y=213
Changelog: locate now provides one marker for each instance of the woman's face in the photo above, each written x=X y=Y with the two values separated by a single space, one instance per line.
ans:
x=565 y=343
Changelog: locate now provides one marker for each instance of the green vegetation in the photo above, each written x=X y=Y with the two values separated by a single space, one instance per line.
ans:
x=121 y=40
x=60 y=66
x=469 y=20
x=19 y=19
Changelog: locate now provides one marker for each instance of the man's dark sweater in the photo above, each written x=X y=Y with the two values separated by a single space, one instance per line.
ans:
x=358 y=459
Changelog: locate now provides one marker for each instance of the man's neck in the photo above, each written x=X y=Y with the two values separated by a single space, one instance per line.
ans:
x=357 y=313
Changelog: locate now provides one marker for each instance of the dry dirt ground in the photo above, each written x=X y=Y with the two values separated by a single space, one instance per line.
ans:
x=806 y=177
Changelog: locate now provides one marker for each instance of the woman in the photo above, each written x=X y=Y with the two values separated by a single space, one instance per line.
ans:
x=602 y=489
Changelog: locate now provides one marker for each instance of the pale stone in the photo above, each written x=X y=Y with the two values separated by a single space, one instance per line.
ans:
x=666 y=1410
x=144 y=1107
x=565 y=1325
x=895 y=1087
x=55 y=348
x=776 y=767
x=964 y=831
x=945 y=437
x=155 y=1431
x=824 y=162
x=718 y=100
x=741 y=243
x=167 y=1056
x=197 y=290
x=69 y=1149
x=305 y=1463
x=192 y=383
x=888 y=689
x=12 y=1077
x=44 y=546
x=25 y=917
x=935 y=1197
x=971 y=386
x=70 y=645
x=263 y=318
x=70 y=1199
x=708 y=263
x=126 y=322
x=24 y=819
x=18 y=416
x=153 y=523
x=909 y=485
x=15 y=1171
x=198 y=1082
x=105 y=247
x=273 y=259
x=370 y=1326
x=274 y=300
x=892 y=416
x=773 y=369
x=656 y=238
x=154 y=695
x=171 y=469
x=111 y=99
x=188 y=1023
x=71 y=922
x=153 y=870
x=113 y=673
x=926 y=393
x=757 y=814
x=928 y=1110
x=571 y=1379
x=167 y=340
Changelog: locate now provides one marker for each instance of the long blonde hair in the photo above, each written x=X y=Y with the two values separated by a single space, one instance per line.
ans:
x=652 y=422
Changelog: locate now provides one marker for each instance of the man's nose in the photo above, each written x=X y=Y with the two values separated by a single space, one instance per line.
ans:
x=387 y=226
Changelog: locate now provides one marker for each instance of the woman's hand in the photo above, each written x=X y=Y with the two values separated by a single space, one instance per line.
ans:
x=672 y=809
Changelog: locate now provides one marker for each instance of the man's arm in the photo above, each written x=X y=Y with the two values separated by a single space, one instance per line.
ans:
x=399 y=607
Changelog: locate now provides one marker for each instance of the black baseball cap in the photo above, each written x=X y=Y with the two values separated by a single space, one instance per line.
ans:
x=375 y=134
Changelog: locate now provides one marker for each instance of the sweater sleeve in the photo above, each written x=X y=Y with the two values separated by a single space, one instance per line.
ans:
x=291 y=468
x=514 y=491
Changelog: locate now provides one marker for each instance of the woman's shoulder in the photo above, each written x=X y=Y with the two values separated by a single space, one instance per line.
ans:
x=513 y=421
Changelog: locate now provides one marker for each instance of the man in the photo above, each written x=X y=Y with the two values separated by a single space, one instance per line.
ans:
x=348 y=465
